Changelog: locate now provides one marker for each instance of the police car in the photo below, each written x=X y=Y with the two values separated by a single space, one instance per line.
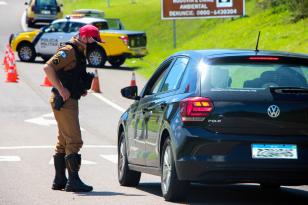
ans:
x=119 y=44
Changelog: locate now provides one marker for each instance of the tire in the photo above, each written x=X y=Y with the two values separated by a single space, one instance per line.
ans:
x=126 y=176
x=45 y=58
x=96 y=57
x=116 y=61
x=26 y=52
x=172 y=188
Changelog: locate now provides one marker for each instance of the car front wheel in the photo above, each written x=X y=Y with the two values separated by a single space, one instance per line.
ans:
x=96 y=57
x=126 y=176
x=116 y=61
x=172 y=188
x=26 y=52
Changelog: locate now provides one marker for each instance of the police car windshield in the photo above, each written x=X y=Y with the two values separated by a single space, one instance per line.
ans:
x=46 y=3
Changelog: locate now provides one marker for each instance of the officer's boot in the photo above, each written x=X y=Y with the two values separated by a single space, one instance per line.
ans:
x=60 y=179
x=74 y=183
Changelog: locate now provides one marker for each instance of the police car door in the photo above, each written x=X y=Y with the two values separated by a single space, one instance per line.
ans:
x=52 y=37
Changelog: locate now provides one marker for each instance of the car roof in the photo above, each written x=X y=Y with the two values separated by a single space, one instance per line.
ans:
x=87 y=11
x=216 y=53
x=86 y=20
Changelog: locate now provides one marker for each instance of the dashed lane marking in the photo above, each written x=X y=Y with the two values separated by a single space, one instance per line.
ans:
x=23 y=21
x=117 y=107
x=3 y=3
x=52 y=147
x=46 y=120
x=110 y=157
x=9 y=159
x=86 y=162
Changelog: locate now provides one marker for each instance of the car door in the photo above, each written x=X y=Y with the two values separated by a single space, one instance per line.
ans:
x=142 y=114
x=158 y=106
x=53 y=37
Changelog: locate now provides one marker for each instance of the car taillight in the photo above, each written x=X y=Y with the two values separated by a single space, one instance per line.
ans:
x=124 y=39
x=195 y=109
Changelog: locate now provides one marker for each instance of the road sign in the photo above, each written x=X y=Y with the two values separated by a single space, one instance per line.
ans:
x=189 y=9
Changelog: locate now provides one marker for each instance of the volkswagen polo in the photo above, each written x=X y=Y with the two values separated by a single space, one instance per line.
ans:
x=218 y=116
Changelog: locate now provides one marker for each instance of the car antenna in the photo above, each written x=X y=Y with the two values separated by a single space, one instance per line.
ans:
x=257 y=46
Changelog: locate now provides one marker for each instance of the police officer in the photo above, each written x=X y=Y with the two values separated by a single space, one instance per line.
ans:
x=67 y=72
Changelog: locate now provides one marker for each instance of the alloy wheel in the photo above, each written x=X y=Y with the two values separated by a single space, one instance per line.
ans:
x=95 y=58
x=122 y=157
x=166 y=170
x=25 y=53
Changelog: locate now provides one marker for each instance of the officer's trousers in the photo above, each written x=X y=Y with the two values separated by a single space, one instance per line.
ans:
x=69 y=134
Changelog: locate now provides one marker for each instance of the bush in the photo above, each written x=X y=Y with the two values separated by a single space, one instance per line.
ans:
x=299 y=8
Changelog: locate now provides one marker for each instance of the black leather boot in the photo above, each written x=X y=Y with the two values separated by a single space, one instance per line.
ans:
x=74 y=183
x=60 y=179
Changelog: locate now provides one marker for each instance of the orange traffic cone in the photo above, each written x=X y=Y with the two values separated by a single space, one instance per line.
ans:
x=6 y=61
x=46 y=82
x=11 y=76
x=95 y=83
x=133 y=80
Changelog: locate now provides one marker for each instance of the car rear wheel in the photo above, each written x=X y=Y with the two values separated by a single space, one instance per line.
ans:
x=172 y=188
x=116 y=61
x=45 y=58
x=126 y=176
x=26 y=52
x=96 y=57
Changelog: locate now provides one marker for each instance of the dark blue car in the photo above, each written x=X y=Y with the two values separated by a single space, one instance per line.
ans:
x=218 y=116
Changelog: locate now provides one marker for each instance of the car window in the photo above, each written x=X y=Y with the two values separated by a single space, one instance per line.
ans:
x=175 y=75
x=46 y=3
x=57 y=27
x=158 y=83
x=75 y=26
x=157 y=79
x=257 y=76
x=102 y=25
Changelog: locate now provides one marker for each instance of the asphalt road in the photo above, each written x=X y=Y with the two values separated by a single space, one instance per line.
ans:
x=28 y=134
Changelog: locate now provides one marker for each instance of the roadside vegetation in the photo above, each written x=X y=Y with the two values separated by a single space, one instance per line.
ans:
x=283 y=25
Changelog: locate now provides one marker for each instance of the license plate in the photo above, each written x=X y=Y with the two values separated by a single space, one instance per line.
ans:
x=274 y=151
x=45 y=12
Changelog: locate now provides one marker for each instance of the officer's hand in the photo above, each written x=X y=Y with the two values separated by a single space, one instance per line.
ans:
x=65 y=94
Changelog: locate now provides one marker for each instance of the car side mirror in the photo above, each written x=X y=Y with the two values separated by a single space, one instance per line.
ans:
x=130 y=92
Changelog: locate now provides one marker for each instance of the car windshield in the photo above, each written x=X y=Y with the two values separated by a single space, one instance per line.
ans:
x=46 y=3
x=257 y=76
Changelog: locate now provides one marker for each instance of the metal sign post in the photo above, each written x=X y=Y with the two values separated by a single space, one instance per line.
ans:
x=174 y=33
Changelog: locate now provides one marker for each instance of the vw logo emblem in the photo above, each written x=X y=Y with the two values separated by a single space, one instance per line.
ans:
x=273 y=111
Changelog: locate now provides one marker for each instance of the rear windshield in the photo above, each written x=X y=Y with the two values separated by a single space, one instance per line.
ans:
x=101 y=25
x=256 y=76
x=46 y=3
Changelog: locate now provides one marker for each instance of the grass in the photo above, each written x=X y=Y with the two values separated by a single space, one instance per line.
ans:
x=277 y=30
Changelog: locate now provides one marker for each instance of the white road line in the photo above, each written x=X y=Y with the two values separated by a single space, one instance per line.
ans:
x=110 y=157
x=87 y=162
x=52 y=147
x=3 y=3
x=117 y=107
x=10 y=159
x=23 y=21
